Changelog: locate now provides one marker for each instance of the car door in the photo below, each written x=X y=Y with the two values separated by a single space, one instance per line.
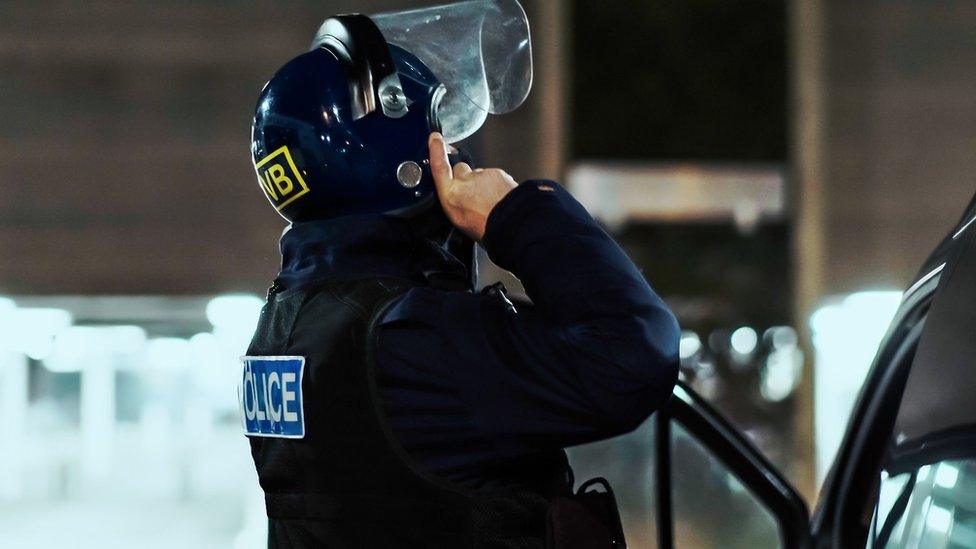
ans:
x=905 y=475
x=926 y=488
x=689 y=479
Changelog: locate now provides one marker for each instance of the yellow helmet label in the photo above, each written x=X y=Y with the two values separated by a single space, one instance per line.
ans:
x=280 y=179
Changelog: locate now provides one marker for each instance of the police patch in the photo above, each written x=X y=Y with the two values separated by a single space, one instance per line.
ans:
x=271 y=396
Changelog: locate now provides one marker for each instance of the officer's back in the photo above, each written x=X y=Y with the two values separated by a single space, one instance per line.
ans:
x=386 y=403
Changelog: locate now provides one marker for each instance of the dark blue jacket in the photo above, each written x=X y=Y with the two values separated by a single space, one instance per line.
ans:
x=469 y=381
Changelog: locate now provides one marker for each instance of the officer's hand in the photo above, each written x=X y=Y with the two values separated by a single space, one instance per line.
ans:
x=466 y=195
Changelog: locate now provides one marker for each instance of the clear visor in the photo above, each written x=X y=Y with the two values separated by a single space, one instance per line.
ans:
x=480 y=50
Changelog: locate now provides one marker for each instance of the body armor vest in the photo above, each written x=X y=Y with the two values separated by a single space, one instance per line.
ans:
x=347 y=483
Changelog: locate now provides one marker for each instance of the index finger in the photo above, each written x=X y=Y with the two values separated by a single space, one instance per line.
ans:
x=440 y=166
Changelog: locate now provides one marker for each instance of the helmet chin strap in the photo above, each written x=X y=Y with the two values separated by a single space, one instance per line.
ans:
x=462 y=248
x=432 y=226
x=458 y=244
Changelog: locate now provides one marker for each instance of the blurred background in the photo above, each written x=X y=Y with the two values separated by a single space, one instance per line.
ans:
x=778 y=169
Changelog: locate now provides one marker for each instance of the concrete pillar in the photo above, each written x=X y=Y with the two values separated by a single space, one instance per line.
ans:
x=807 y=58
x=13 y=409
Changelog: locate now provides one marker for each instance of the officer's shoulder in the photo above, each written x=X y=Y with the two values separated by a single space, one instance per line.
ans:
x=436 y=307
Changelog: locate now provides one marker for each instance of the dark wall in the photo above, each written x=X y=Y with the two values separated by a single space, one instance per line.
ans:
x=690 y=81
x=680 y=79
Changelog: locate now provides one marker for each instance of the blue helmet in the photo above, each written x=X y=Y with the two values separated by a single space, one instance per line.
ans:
x=342 y=129
x=326 y=143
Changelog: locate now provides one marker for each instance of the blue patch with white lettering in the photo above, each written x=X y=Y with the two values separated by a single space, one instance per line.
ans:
x=271 y=396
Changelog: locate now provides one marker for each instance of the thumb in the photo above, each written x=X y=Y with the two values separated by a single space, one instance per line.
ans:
x=440 y=166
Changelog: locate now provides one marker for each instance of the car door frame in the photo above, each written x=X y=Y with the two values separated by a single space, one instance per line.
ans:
x=737 y=453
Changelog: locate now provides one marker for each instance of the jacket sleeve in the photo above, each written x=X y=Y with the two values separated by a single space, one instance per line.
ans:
x=598 y=350
x=467 y=378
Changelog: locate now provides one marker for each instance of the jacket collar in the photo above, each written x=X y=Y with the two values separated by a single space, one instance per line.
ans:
x=361 y=247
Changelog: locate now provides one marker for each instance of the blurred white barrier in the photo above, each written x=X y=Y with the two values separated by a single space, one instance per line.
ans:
x=13 y=410
x=125 y=424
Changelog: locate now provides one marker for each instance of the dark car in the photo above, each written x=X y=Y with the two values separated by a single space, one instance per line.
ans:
x=905 y=474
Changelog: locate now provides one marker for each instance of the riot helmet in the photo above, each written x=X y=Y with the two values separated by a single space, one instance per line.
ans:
x=342 y=129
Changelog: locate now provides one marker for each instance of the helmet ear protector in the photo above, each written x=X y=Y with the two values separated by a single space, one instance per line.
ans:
x=357 y=41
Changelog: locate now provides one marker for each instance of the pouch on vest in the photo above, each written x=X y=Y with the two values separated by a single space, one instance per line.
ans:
x=588 y=519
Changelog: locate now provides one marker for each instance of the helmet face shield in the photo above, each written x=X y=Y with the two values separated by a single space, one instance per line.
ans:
x=479 y=50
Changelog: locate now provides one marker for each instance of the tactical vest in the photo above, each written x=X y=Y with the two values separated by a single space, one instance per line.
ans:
x=346 y=482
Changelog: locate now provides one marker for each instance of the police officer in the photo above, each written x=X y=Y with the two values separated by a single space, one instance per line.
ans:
x=387 y=404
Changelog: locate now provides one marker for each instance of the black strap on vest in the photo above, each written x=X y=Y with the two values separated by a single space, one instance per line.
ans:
x=348 y=483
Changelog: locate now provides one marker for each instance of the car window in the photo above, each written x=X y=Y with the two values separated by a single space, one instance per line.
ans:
x=712 y=507
x=628 y=463
x=939 y=394
x=933 y=506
